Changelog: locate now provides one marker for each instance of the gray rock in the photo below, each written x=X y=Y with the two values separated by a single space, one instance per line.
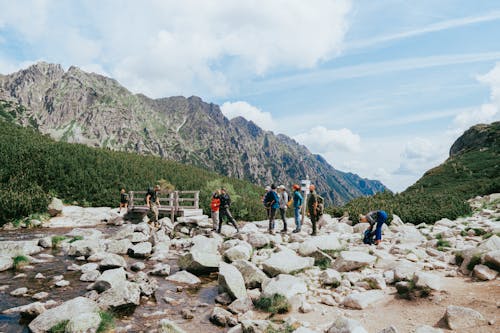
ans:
x=458 y=317
x=111 y=261
x=484 y=273
x=285 y=285
x=363 y=299
x=120 y=246
x=323 y=243
x=161 y=270
x=224 y=299
x=427 y=329
x=28 y=311
x=100 y=286
x=390 y=329
x=160 y=250
x=140 y=250
x=168 y=326
x=404 y=271
x=255 y=326
x=19 y=291
x=426 y=280
x=83 y=323
x=138 y=266
x=66 y=311
x=376 y=281
x=6 y=263
x=55 y=207
x=90 y=276
x=258 y=240
x=92 y=266
x=241 y=305
x=62 y=283
x=138 y=237
x=493 y=259
x=352 y=260
x=231 y=280
x=115 y=277
x=86 y=233
x=346 y=325
x=184 y=277
x=330 y=277
x=14 y=248
x=203 y=256
x=220 y=317
x=125 y=295
x=238 y=252
x=41 y=295
x=85 y=247
x=45 y=242
x=252 y=275
x=147 y=285
x=286 y=262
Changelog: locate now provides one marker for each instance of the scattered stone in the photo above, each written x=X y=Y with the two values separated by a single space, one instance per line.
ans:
x=285 y=285
x=116 y=277
x=187 y=314
x=19 y=291
x=286 y=262
x=352 y=260
x=27 y=311
x=55 y=207
x=90 y=276
x=168 y=326
x=330 y=277
x=305 y=307
x=363 y=299
x=140 y=250
x=120 y=246
x=252 y=275
x=224 y=299
x=427 y=329
x=91 y=266
x=258 y=240
x=111 y=261
x=62 y=283
x=404 y=271
x=241 y=305
x=319 y=243
x=138 y=266
x=390 y=329
x=203 y=256
x=101 y=286
x=458 y=317
x=484 y=273
x=120 y=296
x=160 y=270
x=184 y=277
x=346 y=325
x=493 y=259
x=238 y=252
x=40 y=276
x=41 y=295
x=426 y=280
x=220 y=317
x=84 y=247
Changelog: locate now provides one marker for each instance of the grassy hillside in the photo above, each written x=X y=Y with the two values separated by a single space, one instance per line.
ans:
x=443 y=191
x=33 y=167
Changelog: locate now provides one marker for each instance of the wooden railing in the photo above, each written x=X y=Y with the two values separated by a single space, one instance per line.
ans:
x=174 y=202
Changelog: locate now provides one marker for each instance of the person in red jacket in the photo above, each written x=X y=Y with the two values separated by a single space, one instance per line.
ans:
x=214 y=206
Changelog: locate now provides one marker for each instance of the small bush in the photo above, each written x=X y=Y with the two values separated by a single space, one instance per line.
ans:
x=441 y=244
x=463 y=233
x=107 y=322
x=76 y=238
x=282 y=329
x=479 y=231
x=20 y=261
x=323 y=263
x=275 y=304
x=59 y=327
x=56 y=240
x=459 y=258
x=475 y=260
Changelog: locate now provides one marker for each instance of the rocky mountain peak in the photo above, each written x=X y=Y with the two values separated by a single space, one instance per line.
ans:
x=480 y=136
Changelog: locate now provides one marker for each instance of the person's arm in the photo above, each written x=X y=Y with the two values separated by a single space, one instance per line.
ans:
x=148 y=197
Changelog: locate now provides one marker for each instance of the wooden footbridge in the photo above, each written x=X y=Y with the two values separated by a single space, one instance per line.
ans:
x=176 y=203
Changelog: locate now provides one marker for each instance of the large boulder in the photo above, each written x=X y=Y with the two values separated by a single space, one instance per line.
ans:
x=285 y=285
x=84 y=322
x=203 y=256
x=258 y=240
x=19 y=247
x=116 y=277
x=426 y=280
x=231 y=281
x=352 y=260
x=286 y=262
x=458 y=317
x=140 y=250
x=118 y=297
x=484 y=273
x=252 y=275
x=404 y=271
x=319 y=243
x=6 y=263
x=55 y=207
x=409 y=234
x=330 y=277
x=120 y=246
x=85 y=247
x=111 y=261
x=238 y=252
x=492 y=258
x=66 y=311
x=363 y=299
x=346 y=325
x=74 y=216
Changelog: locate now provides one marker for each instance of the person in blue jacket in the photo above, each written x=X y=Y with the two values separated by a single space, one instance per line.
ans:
x=297 y=205
x=272 y=201
x=375 y=218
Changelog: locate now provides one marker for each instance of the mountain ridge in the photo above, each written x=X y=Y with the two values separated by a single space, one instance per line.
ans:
x=76 y=106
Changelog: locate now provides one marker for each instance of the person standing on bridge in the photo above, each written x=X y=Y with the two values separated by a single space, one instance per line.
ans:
x=153 y=202
x=123 y=201
x=225 y=203
x=214 y=207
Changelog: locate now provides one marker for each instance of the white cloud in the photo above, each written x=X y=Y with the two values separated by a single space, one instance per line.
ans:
x=420 y=154
x=236 y=109
x=487 y=112
x=171 y=47
x=322 y=140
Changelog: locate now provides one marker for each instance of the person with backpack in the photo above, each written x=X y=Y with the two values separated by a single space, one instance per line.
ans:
x=214 y=207
x=153 y=202
x=225 y=203
x=297 y=205
x=283 y=202
x=315 y=208
x=268 y=188
x=378 y=218
x=123 y=200
x=272 y=201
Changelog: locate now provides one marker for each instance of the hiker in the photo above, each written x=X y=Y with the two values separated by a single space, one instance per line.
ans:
x=378 y=218
x=272 y=202
x=225 y=203
x=153 y=202
x=312 y=207
x=297 y=205
x=283 y=202
x=214 y=207
x=123 y=201
x=268 y=188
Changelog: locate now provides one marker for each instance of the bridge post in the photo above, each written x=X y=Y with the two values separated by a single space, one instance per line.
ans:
x=171 y=203
x=197 y=200
x=131 y=203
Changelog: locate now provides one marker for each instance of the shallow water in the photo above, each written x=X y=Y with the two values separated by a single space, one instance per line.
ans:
x=145 y=318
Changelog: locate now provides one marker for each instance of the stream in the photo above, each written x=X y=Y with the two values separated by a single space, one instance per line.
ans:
x=146 y=316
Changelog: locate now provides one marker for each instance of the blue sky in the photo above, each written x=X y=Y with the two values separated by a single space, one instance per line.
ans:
x=380 y=88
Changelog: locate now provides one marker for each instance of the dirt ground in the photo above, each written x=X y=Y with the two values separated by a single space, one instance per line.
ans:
x=406 y=315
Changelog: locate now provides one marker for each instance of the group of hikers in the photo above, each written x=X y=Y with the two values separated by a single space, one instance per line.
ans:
x=275 y=199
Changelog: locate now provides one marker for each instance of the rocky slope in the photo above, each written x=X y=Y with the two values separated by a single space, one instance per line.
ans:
x=423 y=278
x=76 y=106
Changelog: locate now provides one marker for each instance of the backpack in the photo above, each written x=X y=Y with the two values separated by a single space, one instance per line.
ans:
x=268 y=199
x=320 y=208
x=369 y=237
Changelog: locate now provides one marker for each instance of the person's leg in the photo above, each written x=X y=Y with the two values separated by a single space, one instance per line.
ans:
x=272 y=213
x=222 y=212
x=231 y=219
x=283 y=217
x=313 y=222
x=378 y=232
x=297 y=218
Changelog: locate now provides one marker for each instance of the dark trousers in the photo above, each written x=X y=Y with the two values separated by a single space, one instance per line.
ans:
x=225 y=212
x=283 y=217
x=314 y=220
x=272 y=214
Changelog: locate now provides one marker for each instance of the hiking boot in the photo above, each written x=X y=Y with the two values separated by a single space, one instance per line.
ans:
x=296 y=231
x=271 y=231
x=314 y=234
x=284 y=231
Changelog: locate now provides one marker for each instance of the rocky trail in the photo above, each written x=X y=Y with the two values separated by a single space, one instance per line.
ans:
x=86 y=262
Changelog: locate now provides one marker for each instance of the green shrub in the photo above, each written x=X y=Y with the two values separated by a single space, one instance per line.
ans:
x=442 y=244
x=459 y=258
x=20 y=261
x=281 y=329
x=56 y=240
x=107 y=322
x=59 y=327
x=275 y=304
x=475 y=260
x=76 y=238
x=323 y=263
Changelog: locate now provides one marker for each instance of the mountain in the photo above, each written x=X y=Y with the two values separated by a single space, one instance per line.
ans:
x=81 y=107
x=472 y=169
